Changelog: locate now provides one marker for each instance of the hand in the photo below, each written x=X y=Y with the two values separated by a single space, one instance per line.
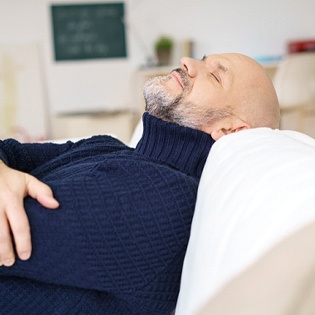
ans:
x=14 y=186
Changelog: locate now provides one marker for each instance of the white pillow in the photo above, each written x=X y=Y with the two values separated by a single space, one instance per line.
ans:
x=257 y=187
x=137 y=134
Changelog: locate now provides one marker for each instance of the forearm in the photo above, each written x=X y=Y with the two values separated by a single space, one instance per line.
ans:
x=27 y=156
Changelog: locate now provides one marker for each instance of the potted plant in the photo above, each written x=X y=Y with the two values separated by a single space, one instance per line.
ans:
x=163 y=48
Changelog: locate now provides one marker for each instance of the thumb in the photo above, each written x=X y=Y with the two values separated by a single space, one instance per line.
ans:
x=41 y=192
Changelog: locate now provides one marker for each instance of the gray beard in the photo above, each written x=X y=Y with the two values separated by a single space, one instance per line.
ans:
x=173 y=108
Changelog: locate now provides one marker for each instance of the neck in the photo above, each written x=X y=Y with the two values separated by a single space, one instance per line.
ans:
x=181 y=147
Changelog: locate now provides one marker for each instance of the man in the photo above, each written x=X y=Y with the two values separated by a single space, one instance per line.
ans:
x=117 y=242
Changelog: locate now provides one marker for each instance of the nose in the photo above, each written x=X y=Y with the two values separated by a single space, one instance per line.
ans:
x=190 y=65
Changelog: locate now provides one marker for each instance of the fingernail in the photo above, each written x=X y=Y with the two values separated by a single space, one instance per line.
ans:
x=8 y=262
x=24 y=255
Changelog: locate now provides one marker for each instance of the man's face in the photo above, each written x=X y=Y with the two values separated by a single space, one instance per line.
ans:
x=196 y=94
x=205 y=94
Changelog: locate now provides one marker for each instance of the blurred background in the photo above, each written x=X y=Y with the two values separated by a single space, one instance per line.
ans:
x=74 y=68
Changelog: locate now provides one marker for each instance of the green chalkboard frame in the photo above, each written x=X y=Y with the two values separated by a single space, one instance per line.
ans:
x=88 y=31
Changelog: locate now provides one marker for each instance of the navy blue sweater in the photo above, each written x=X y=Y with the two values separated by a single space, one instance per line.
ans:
x=117 y=242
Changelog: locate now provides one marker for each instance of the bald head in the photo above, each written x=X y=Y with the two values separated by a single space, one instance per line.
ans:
x=255 y=97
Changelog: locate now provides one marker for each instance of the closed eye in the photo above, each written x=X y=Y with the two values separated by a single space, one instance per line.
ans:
x=216 y=77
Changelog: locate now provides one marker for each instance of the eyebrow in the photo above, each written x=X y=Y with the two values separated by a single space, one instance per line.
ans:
x=219 y=64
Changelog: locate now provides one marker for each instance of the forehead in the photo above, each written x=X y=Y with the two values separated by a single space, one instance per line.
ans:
x=229 y=60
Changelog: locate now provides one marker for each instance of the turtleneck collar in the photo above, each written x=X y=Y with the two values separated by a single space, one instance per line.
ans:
x=181 y=147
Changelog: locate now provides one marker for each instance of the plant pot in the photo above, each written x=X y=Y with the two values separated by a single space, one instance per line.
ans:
x=163 y=57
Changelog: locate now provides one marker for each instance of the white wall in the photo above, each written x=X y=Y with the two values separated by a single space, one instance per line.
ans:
x=252 y=27
x=256 y=28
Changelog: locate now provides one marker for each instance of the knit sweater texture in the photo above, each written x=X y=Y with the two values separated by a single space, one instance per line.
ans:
x=117 y=242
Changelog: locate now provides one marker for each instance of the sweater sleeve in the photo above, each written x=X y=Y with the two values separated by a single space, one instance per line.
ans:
x=26 y=157
x=118 y=229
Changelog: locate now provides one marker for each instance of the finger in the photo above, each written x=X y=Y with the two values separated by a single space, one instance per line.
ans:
x=41 y=192
x=20 y=228
x=6 y=248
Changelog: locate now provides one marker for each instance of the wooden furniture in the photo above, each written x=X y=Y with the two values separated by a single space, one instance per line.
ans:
x=79 y=125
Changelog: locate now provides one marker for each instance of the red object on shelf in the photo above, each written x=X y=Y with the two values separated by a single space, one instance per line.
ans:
x=301 y=46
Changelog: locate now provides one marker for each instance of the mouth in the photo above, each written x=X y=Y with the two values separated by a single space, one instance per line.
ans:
x=176 y=76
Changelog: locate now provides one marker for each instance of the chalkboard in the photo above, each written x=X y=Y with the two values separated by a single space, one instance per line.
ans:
x=88 y=31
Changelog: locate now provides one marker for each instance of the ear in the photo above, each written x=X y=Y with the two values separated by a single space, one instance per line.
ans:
x=228 y=125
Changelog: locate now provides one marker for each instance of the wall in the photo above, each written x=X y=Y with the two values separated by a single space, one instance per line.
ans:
x=256 y=28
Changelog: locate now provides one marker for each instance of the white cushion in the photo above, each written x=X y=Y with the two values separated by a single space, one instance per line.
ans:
x=257 y=187
x=136 y=135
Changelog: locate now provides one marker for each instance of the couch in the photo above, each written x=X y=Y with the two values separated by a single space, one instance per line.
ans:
x=252 y=244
